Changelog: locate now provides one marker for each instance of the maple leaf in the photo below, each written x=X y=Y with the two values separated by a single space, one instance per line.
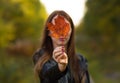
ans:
x=60 y=28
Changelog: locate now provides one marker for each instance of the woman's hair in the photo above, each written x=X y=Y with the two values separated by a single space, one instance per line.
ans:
x=48 y=48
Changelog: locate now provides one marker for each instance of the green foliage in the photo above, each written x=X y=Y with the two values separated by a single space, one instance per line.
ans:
x=6 y=33
x=99 y=37
x=21 y=22
x=21 y=19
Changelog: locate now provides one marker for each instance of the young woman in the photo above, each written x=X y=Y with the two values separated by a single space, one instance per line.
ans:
x=56 y=61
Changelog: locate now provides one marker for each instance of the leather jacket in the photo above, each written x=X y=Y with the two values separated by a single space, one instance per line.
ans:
x=51 y=73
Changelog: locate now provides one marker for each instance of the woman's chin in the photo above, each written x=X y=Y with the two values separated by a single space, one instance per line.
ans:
x=61 y=43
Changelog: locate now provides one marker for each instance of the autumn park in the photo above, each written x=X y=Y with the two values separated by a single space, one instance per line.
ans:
x=97 y=37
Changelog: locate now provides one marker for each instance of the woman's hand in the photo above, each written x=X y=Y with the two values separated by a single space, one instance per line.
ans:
x=60 y=57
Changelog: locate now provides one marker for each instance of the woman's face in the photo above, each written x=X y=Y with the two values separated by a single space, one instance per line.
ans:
x=61 y=41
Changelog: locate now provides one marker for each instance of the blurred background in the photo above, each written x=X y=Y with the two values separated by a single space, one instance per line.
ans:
x=97 y=38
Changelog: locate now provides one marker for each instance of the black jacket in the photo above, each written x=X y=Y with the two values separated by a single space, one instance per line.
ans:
x=51 y=73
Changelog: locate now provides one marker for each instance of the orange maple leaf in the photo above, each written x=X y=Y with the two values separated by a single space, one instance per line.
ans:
x=60 y=28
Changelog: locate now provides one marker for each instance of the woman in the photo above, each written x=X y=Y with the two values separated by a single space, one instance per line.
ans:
x=56 y=61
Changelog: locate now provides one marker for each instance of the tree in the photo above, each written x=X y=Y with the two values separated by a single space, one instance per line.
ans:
x=21 y=19
x=99 y=33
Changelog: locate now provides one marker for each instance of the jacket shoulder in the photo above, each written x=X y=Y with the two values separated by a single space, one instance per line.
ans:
x=83 y=62
x=37 y=55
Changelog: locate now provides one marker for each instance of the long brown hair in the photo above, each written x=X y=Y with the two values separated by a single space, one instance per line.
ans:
x=48 y=48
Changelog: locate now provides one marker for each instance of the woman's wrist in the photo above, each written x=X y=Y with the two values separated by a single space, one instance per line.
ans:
x=62 y=67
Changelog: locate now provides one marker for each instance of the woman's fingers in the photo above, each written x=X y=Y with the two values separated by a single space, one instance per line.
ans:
x=57 y=51
x=63 y=59
x=56 y=55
